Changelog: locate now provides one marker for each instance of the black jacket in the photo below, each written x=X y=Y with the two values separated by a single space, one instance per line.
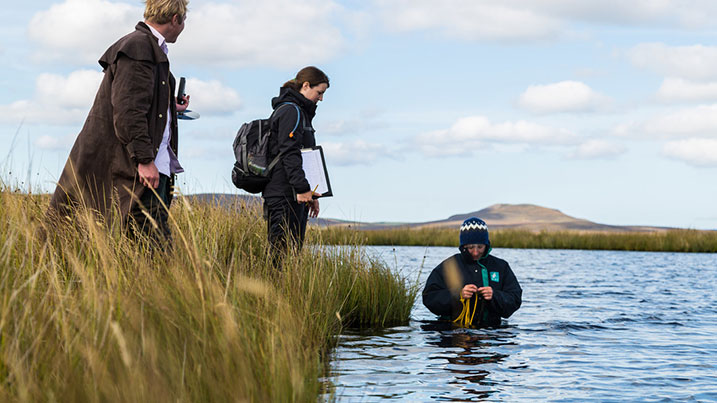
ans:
x=287 y=177
x=441 y=300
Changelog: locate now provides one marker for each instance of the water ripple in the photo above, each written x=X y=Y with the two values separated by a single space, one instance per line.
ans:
x=594 y=326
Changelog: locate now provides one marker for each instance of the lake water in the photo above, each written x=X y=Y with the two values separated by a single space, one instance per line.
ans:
x=594 y=326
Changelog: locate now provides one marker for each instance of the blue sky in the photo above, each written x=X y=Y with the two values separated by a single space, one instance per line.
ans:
x=605 y=110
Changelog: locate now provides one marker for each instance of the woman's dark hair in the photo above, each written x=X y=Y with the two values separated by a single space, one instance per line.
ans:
x=309 y=74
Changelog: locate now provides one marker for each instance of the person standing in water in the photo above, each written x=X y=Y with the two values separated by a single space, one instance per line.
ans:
x=473 y=287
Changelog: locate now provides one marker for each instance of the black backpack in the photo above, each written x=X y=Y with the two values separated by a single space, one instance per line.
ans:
x=252 y=168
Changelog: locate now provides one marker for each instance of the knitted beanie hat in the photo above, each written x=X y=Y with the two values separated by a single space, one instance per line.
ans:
x=474 y=231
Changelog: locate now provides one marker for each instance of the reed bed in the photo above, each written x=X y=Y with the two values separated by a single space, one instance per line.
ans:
x=88 y=315
x=676 y=240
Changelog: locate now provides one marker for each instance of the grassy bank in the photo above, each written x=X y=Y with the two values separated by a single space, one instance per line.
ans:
x=88 y=315
x=667 y=241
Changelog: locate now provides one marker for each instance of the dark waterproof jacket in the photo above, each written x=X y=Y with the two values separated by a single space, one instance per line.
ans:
x=443 y=301
x=124 y=128
x=288 y=177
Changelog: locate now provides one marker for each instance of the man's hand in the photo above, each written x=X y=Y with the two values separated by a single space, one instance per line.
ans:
x=183 y=107
x=148 y=175
x=468 y=291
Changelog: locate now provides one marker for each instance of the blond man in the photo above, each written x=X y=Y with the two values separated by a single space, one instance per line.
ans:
x=126 y=153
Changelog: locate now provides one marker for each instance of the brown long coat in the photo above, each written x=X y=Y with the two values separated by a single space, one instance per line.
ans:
x=124 y=128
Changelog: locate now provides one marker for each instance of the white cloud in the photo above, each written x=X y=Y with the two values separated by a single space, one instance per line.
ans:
x=282 y=33
x=67 y=99
x=564 y=96
x=597 y=149
x=53 y=143
x=77 y=90
x=356 y=153
x=520 y=20
x=260 y=32
x=57 y=99
x=211 y=97
x=679 y=90
x=698 y=121
x=79 y=31
x=476 y=132
x=696 y=62
x=663 y=13
x=627 y=129
x=694 y=151
x=468 y=19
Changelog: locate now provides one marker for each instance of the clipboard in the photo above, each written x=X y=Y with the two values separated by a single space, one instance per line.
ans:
x=314 y=166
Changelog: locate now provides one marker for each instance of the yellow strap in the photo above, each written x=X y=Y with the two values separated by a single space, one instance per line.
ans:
x=465 y=319
x=460 y=317
x=475 y=305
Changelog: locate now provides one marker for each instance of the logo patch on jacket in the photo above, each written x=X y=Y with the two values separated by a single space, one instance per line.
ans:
x=495 y=276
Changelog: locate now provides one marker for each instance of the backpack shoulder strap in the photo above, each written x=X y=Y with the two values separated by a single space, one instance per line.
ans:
x=298 y=119
x=298 y=113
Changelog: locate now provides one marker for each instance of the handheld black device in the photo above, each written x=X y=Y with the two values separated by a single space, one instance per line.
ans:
x=180 y=91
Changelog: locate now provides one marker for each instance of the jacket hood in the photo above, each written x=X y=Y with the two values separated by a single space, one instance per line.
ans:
x=290 y=95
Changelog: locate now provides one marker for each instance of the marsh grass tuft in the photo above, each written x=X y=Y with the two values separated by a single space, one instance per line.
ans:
x=676 y=240
x=88 y=315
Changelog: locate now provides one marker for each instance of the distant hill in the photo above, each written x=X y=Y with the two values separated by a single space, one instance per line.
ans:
x=534 y=218
x=503 y=216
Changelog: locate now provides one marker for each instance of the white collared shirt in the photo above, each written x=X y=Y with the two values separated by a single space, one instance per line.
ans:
x=166 y=162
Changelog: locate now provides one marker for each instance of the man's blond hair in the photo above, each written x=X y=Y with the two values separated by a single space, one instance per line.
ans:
x=162 y=11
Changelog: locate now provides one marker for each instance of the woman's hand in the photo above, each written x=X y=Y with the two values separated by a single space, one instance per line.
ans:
x=305 y=197
x=314 y=208
x=313 y=204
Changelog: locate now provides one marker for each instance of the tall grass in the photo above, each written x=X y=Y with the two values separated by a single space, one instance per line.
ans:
x=88 y=315
x=677 y=240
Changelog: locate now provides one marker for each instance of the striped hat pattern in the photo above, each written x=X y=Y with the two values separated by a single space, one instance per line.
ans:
x=474 y=231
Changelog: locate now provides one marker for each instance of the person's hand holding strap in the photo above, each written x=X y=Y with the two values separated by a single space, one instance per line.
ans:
x=468 y=291
x=486 y=293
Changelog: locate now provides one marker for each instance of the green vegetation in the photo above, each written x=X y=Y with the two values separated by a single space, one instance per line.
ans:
x=667 y=241
x=88 y=315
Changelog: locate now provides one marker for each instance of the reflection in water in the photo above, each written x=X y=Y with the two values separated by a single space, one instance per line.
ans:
x=425 y=362
x=476 y=350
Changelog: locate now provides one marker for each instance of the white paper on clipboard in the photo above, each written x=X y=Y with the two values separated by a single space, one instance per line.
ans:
x=315 y=170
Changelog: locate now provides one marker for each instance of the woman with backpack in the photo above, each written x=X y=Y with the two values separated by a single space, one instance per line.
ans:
x=288 y=198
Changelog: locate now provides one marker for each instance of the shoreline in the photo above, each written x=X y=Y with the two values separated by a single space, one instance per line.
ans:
x=671 y=240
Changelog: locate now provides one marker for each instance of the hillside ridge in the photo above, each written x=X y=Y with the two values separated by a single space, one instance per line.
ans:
x=498 y=216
